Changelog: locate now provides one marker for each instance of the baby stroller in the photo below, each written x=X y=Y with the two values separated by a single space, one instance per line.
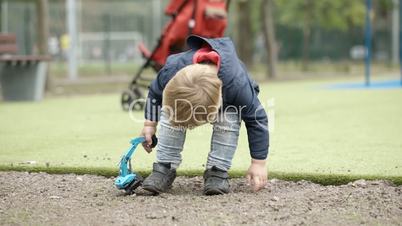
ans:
x=206 y=18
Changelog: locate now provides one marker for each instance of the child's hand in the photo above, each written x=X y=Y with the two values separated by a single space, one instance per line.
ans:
x=148 y=131
x=257 y=174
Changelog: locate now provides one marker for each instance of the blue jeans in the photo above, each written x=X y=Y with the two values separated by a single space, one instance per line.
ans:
x=223 y=142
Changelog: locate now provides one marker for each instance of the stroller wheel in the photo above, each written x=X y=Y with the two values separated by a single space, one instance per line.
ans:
x=128 y=100
x=127 y=97
x=138 y=105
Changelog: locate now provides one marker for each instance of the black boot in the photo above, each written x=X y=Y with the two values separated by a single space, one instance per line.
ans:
x=161 y=178
x=216 y=181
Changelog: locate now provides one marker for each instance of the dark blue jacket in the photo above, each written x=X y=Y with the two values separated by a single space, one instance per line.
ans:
x=238 y=90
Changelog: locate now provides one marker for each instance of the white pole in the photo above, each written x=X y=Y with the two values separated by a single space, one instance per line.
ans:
x=79 y=29
x=395 y=32
x=4 y=19
x=72 y=34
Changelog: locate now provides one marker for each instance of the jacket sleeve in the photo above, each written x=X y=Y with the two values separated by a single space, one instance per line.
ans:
x=255 y=119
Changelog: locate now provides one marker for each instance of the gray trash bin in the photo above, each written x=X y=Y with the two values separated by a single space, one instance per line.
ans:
x=23 y=82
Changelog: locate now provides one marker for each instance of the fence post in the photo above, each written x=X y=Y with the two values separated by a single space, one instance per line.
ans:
x=107 y=23
x=395 y=32
x=4 y=16
x=368 y=35
x=400 y=38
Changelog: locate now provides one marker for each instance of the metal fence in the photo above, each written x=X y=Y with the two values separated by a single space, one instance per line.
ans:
x=107 y=30
x=110 y=30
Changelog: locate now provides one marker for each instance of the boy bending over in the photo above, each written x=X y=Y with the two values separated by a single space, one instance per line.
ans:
x=206 y=84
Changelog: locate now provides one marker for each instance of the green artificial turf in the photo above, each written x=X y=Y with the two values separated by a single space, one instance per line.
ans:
x=323 y=135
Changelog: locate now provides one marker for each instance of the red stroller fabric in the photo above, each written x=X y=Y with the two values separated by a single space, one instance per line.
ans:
x=207 y=18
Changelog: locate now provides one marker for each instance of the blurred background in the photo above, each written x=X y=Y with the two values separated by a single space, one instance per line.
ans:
x=277 y=39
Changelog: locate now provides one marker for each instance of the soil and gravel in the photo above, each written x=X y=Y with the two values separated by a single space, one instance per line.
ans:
x=43 y=199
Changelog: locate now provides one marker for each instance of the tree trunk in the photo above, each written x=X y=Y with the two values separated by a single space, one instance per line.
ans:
x=268 y=29
x=42 y=9
x=43 y=25
x=244 y=32
x=306 y=47
x=308 y=7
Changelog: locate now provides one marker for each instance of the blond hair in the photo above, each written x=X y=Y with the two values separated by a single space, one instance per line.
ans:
x=192 y=97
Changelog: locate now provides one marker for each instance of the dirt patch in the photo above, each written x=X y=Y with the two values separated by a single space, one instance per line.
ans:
x=43 y=199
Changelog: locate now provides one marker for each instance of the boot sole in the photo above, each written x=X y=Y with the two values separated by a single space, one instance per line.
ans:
x=215 y=192
x=152 y=189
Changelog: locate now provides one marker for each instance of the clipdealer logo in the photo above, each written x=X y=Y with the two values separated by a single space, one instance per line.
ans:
x=215 y=115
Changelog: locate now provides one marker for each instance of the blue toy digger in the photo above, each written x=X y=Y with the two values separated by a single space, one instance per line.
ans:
x=127 y=179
